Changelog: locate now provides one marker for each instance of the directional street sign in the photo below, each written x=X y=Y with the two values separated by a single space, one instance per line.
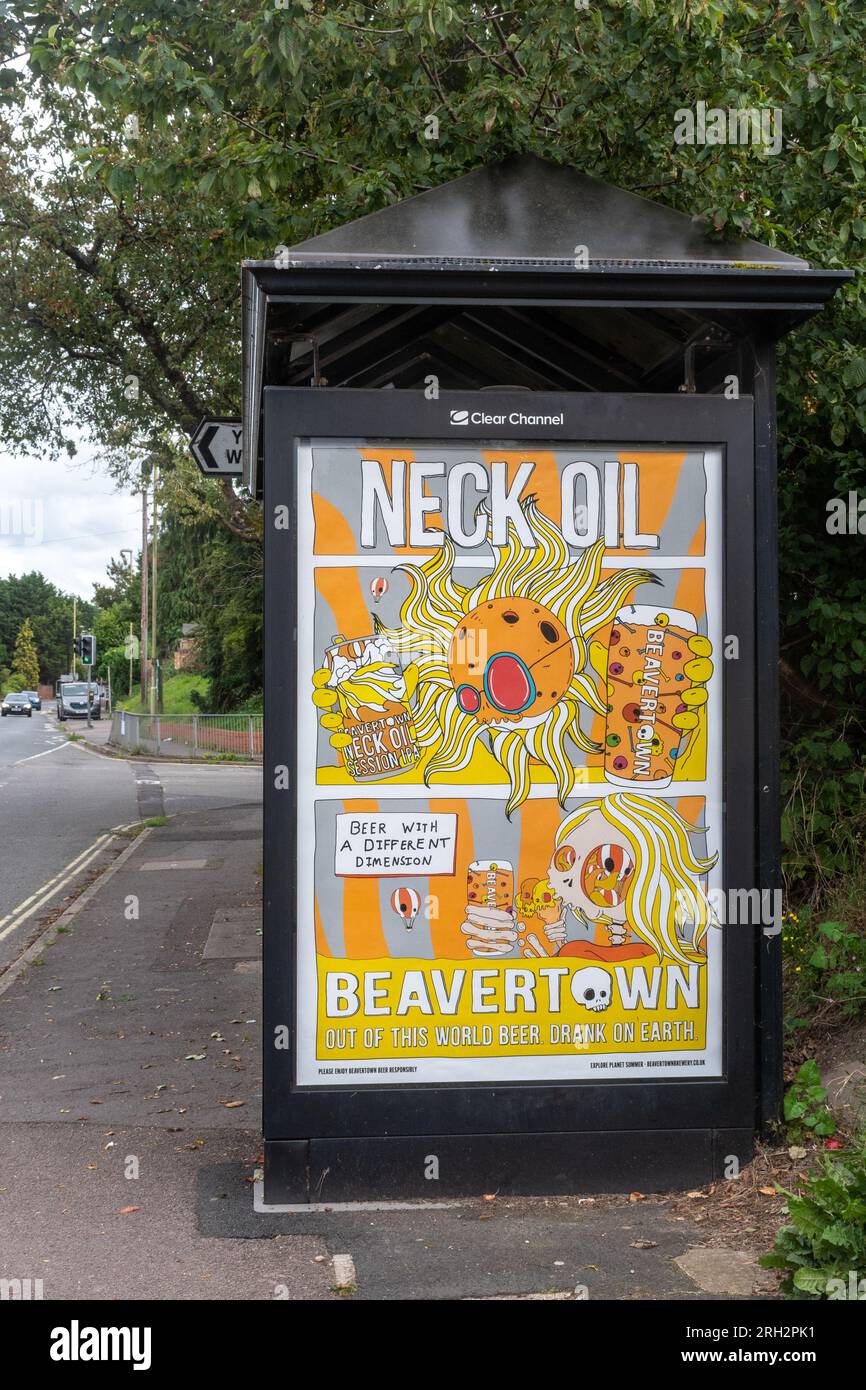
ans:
x=216 y=446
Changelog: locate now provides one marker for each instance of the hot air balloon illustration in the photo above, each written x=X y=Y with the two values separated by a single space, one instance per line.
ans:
x=406 y=903
x=378 y=587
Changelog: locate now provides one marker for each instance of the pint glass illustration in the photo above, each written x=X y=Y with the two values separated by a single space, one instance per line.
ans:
x=380 y=739
x=490 y=883
x=647 y=680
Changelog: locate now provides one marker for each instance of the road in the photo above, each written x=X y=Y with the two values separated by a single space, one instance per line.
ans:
x=58 y=799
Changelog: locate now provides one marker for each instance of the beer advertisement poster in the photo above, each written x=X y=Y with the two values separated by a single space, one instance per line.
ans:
x=509 y=757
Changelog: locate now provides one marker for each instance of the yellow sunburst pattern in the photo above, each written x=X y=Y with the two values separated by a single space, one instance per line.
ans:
x=503 y=660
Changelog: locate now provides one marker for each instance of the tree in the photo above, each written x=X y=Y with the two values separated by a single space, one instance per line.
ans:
x=25 y=663
x=151 y=145
x=50 y=613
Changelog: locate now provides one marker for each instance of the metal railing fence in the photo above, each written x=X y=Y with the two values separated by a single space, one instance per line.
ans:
x=188 y=735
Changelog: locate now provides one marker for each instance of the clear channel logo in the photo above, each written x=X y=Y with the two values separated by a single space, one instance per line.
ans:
x=516 y=417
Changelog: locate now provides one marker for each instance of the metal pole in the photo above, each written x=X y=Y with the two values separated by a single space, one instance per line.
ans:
x=89 y=720
x=142 y=668
x=108 y=711
x=195 y=733
x=154 y=558
x=74 y=632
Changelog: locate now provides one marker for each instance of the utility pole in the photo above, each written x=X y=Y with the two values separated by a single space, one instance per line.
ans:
x=142 y=668
x=154 y=558
x=130 y=661
x=74 y=632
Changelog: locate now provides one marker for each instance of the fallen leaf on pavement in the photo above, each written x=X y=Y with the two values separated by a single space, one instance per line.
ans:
x=768 y=1191
x=644 y=1244
x=636 y=1197
x=233 y=1104
x=124 y=1211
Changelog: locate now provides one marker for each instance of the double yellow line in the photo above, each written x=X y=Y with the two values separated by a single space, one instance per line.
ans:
x=43 y=895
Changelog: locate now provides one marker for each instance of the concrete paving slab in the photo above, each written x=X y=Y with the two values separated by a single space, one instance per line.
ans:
x=234 y=936
x=726 y=1272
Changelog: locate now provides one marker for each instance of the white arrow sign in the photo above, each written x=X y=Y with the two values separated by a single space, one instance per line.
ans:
x=216 y=446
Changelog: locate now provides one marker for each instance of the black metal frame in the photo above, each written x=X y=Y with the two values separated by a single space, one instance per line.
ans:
x=526 y=1136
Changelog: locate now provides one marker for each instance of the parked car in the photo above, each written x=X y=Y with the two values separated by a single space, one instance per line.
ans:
x=72 y=701
x=34 y=698
x=17 y=703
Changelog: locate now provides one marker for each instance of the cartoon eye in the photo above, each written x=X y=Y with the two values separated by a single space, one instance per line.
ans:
x=564 y=858
x=468 y=699
x=547 y=897
x=549 y=632
x=609 y=864
x=508 y=683
x=589 y=994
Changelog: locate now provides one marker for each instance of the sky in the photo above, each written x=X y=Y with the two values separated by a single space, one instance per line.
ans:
x=64 y=518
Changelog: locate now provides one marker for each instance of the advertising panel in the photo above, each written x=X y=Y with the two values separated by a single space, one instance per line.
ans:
x=509 y=760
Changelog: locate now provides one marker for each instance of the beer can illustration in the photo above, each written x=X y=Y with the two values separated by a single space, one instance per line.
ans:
x=373 y=704
x=647 y=656
x=490 y=883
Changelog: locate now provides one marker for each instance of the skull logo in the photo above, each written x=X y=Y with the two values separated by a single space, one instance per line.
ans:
x=591 y=987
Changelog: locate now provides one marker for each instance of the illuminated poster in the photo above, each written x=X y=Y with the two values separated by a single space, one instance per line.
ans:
x=509 y=742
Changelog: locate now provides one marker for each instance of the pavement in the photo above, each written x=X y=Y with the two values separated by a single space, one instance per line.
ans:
x=130 y=1094
x=62 y=802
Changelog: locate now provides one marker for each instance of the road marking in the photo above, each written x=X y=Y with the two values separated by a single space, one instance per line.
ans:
x=39 y=755
x=14 y=919
x=174 y=864
x=16 y=969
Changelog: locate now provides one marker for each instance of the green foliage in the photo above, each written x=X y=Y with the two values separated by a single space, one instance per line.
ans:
x=229 y=585
x=115 y=625
x=825 y=962
x=180 y=695
x=837 y=968
x=50 y=613
x=25 y=662
x=826 y=1237
x=184 y=137
x=804 y=1108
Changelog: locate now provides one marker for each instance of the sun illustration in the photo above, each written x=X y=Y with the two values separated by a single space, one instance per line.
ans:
x=503 y=660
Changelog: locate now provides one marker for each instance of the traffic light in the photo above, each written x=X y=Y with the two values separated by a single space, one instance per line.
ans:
x=88 y=649
x=76 y=645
